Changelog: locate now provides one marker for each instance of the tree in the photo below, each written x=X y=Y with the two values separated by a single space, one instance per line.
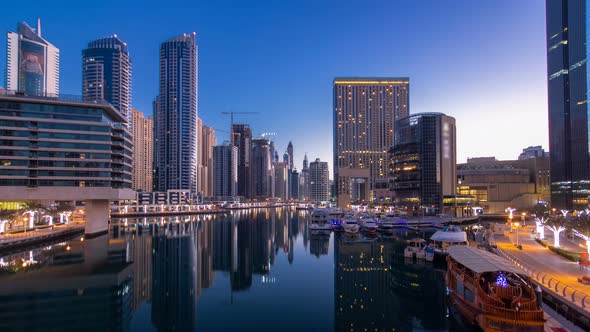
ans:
x=6 y=216
x=581 y=228
x=557 y=224
x=31 y=208
x=540 y=222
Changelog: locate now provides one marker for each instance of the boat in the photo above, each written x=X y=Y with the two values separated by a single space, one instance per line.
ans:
x=388 y=222
x=491 y=292
x=429 y=253
x=415 y=248
x=368 y=224
x=335 y=212
x=350 y=225
x=320 y=221
x=449 y=236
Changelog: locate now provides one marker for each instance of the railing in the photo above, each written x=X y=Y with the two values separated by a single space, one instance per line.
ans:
x=558 y=287
x=51 y=96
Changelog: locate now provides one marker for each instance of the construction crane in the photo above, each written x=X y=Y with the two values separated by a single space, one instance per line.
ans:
x=231 y=114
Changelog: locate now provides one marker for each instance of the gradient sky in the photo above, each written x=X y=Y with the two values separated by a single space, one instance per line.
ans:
x=483 y=62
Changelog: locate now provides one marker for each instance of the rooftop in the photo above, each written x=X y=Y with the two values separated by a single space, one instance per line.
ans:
x=480 y=261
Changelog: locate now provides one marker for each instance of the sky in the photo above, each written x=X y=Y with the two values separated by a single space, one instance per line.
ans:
x=482 y=62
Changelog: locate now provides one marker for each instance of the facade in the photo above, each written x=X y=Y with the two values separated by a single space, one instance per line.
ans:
x=241 y=137
x=176 y=146
x=32 y=63
x=106 y=73
x=290 y=153
x=262 y=169
x=423 y=161
x=143 y=151
x=304 y=180
x=225 y=170
x=495 y=185
x=533 y=152
x=53 y=149
x=207 y=142
x=365 y=111
x=294 y=179
x=567 y=72
x=282 y=180
x=319 y=181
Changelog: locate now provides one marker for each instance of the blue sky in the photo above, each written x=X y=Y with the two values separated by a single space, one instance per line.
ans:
x=482 y=62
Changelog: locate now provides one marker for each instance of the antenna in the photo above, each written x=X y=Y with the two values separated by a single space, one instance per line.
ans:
x=39 y=26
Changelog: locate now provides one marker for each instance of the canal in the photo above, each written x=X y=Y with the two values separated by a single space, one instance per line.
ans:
x=249 y=270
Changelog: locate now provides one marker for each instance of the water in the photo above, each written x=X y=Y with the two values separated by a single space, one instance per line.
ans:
x=251 y=270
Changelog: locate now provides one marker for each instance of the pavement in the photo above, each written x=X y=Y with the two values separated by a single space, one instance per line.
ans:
x=10 y=237
x=557 y=323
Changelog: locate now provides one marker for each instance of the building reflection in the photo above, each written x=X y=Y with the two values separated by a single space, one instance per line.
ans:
x=86 y=285
x=374 y=291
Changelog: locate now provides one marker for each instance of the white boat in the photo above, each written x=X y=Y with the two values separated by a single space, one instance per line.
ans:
x=388 y=222
x=368 y=224
x=450 y=236
x=320 y=220
x=429 y=253
x=415 y=248
x=335 y=212
x=350 y=225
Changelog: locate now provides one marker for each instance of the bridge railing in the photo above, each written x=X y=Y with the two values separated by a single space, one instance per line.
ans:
x=557 y=286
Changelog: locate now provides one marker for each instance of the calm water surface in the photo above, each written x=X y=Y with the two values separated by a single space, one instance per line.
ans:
x=252 y=270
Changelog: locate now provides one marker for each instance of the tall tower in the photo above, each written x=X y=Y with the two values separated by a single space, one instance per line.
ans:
x=143 y=151
x=225 y=170
x=365 y=110
x=242 y=139
x=319 y=182
x=32 y=63
x=567 y=73
x=290 y=152
x=262 y=169
x=176 y=115
x=106 y=73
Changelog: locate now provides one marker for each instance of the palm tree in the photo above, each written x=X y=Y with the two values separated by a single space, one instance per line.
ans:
x=557 y=224
x=6 y=216
x=581 y=228
x=31 y=208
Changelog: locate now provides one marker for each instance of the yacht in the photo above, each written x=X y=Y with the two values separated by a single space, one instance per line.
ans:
x=449 y=236
x=388 y=222
x=415 y=248
x=368 y=224
x=320 y=220
x=350 y=225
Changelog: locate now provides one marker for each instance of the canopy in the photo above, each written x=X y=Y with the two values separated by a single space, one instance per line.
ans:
x=449 y=236
x=480 y=261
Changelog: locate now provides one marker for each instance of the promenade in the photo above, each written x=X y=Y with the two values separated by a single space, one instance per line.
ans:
x=13 y=241
x=557 y=274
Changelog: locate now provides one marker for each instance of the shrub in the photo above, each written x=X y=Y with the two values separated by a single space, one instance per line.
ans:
x=541 y=242
x=573 y=256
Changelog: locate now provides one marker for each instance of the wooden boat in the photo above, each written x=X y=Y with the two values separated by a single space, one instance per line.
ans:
x=491 y=292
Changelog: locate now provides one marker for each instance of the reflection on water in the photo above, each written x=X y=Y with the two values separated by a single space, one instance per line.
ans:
x=251 y=270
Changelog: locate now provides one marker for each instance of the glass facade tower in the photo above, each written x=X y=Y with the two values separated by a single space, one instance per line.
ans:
x=567 y=72
x=176 y=146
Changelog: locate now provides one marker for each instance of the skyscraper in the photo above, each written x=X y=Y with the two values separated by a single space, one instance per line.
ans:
x=319 y=188
x=262 y=169
x=365 y=110
x=282 y=181
x=143 y=151
x=106 y=73
x=304 y=180
x=32 y=63
x=241 y=136
x=290 y=152
x=176 y=145
x=567 y=72
x=424 y=161
x=225 y=170
x=207 y=142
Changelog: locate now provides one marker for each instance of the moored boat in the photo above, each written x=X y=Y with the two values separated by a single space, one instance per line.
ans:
x=491 y=292
x=415 y=248
x=450 y=236
x=368 y=224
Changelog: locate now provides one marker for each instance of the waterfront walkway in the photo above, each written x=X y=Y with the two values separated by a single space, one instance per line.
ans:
x=14 y=241
x=556 y=273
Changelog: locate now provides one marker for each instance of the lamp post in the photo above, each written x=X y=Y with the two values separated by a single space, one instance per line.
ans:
x=517 y=225
x=523 y=218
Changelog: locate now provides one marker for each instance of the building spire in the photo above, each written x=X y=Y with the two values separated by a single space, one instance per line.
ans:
x=38 y=26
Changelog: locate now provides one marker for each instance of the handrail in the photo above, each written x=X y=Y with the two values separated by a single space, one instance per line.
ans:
x=577 y=297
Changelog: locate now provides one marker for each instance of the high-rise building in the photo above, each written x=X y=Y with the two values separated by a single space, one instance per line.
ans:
x=262 y=169
x=304 y=180
x=143 y=151
x=282 y=180
x=225 y=170
x=290 y=153
x=365 y=111
x=424 y=161
x=567 y=72
x=32 y=63
x=533 y=152
x=61 y=150
x=294 y=178
x=207 y=142
x=176 y=146
x=319 y=187
x=241 y=137
x=106 y=73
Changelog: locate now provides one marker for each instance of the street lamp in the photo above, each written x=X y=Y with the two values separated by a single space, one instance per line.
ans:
x=517 y=225
x=522 y=218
